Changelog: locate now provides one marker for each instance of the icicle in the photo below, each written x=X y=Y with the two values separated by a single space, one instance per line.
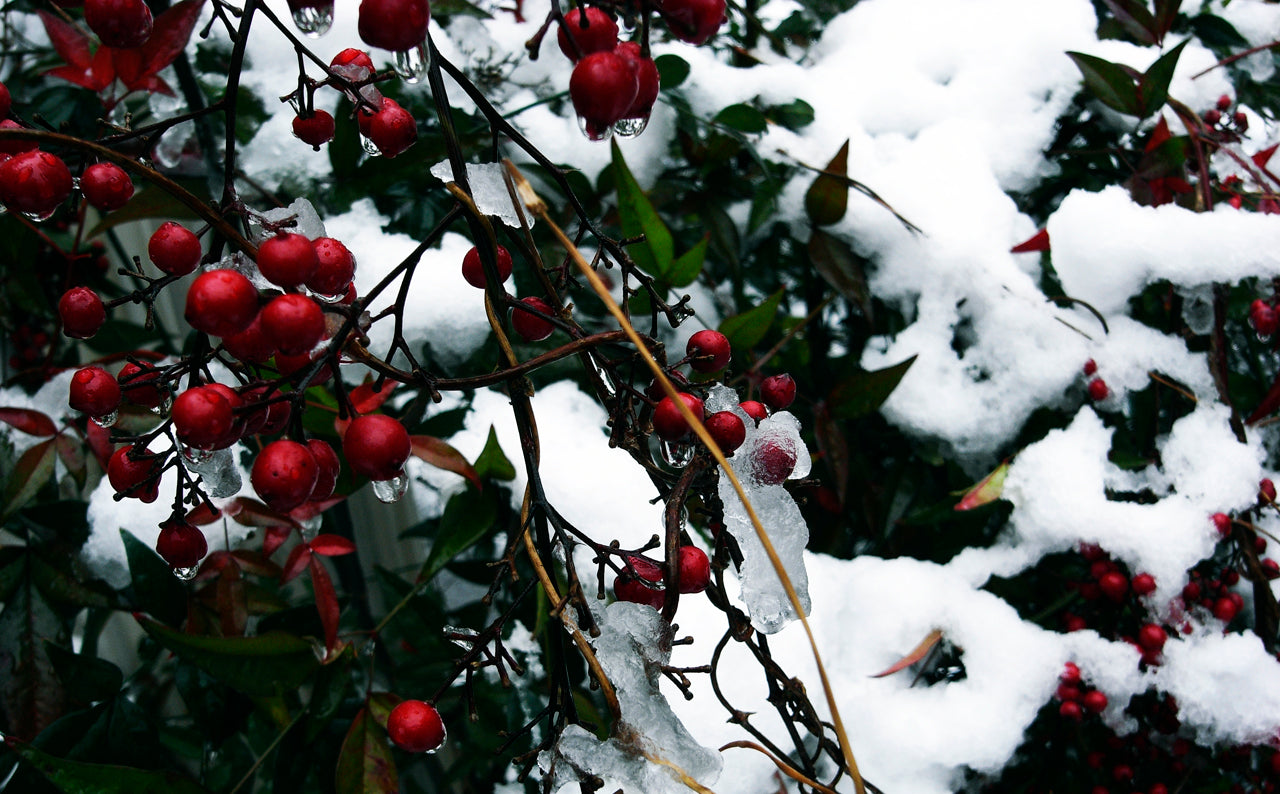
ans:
x=106 y=420
x=186 y=574
x=391 y=490
x=313 y=17
x=412 y=64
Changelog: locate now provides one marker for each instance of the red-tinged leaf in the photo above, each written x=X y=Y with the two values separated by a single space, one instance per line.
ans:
x=100 y=442
x=29 y=474
x=274 y=539
x=916 y=654
x=253 y=562
x=365 y=400
x=1136 y=18
x=30 y=422
x=233 y=612
x=987 y=490
x=252 y=513
x=81 y=77
x=1158 y=135
x=203 y=514
x=169 y=35
x=128 y=64
x=298 y=560
x=1263 y=157
x=442 y=456
x=331 y=545
x=309 y=510
x=1268 y=405
x=340 y=426
x=380 y=705
x=68 y=41
x=71 y=452
x=365 y=765
x=326 y=602
x=154 y=85
x=1036 y=242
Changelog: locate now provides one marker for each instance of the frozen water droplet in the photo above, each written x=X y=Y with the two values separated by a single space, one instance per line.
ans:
x=602 y=375
x=370 y=148
x=310 y=527
x=323 y=298
x=676 y=455
x=412 y=64
x=444 y=737
x=223 y=481
x=630 y=128
x=165 y=405
x=39 y=217
x=194 y=458
x=75 y=183
x=391 y=490
x=313 y=17
x=106 y=420
x=186 y=574
x=593 y=131
x=369 y=648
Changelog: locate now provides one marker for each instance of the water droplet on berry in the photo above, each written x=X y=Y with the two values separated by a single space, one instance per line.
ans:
x=323 y=298
x=312 y=18
x=194 y=459
x=106 y=420
x=186 y=574
x=310 y=527
x=630 y=128
x=391 y=490
x=370 y=148
x=412 y=64
x=39 y=217
x=165 y=405
x=676 y=455
x=593 y=131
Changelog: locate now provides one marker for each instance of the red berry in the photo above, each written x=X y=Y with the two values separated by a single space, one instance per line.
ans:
x=202 y=417
x=396 y=25
x=1224 y=103
x=127 y=473
x=1094 y=701
x=316 y=129
x=1222 y=523
x=295 y=323
x=1067 y=692
x=755 y=410
x=774 y=461
x=1212 y=117
x=181 y=544
x=328 y=467
x=174 y=249
x=603 y=86
x=694 y=21
x=284 y=474
x=415 y=727
x=376 y=446
x=139 y=384
x=269 y=419
x=16 y=145
x=1143 y=584
x=1241 y=121
x=599 y=34
x=335 y=267
x=6 y=101
x=1094 y=553
x=1090 y=367
x=1070 y=673
x=1264 y=318
x=252 y=345
x=647 y=80
x=34 y=183
x=1098 y=390
x=630 y=588
x=727 y=429
x=1225 y=609
x=94 y=392
x=122 y=24
x=1122 y=773
x=473 y=270
x=1267 y=490
x=106 y=186
x=352 y=57
x=1114 y=585
x=532 y=327
x=1152 y=637
x=778 y=391
x=695 y=570
x=1271 y=569
x=1074 y=623
x=287 y=259
x=221 y=302
x=667 y=421
x=1070 y=709
x=708 y=351
x=82 y=312
x=392 y=129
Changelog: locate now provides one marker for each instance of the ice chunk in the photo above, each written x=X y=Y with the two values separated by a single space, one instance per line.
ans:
x=488 y=189
x=304 y=216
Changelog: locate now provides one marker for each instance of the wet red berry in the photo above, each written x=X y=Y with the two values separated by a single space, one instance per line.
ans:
x=140 y=385
x=727 y=429
x=123 y=24
x=630 y=588
x=603 y=86
x=94 y=392
x=328 y=467
x=181 y=544
x=335 y=267
x=647 y=80
x=694 y=21
x=415 y=727
x=106 y=186
x=287 y=259
x=695 y=570
x=293 y=323
x=127 y=470
x=174 y=249
x=284 y=474
x=34 y=183
x=532 y=327
x=376 y=446
x=754 y=409
x=708 y=351
x=221 y=303
x=668 y=423
x=473 y=270
x=202 y=417
x=316 y=129
x=599 y=34
x=392 y=129
x=396 y=25
x=773 y=462
x=778 y=391
x=82 y=312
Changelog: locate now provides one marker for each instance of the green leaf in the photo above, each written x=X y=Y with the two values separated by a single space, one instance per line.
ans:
x=654 y=254
x=742 y=117
x=121 y=335
x=827 y=199
x=986 y=490
x=31 y=695
x=686 y=269
x=1109 y=82
x=865 y=392
x=29 y=474
x=840 y=267
x=258 y=666
x=1153 y=86
x=467 y=518
x=492 y=464
x=75 y=777
x=365 y=764
x=86 y=678
x=1136 y=18
x=793 y=115
x=1218 y=34
x=745 y=330
x=155 y=589
x=672 y=70
x=152 y=202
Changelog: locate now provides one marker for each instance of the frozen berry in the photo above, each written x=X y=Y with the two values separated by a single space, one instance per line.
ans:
x=284 y=474
x=106 y=186
x=94 y=392
x=376 y=446
x=335 y=267
x=754 y=409
x=603 y=86
x=1070 y=673
x=695 y=570
x=533 y=327
x=778 y=391
x=181 y=544
x=473 y=270
x=643 y=587
x=396 y=25
x=414 y=726
x=708 y=351
x=202 y=417
x=647 y=80
x=293 y=323
x=328 y=467
x=773 y=461
x=596 y=33
x=82 y=312
x=694 y=21
x=129 y=468
x=668 y=423
x=122 y=24
x=316 y=129
x=352 y=57
x=174 y=249
x=34 y=183
x=287 y=259
x=221 y=302
x=392 y=129
x=727 y=429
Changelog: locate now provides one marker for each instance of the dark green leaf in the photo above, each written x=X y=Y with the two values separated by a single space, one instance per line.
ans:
x=865 y=392
x=672 y=70
x=29 y=474
x=1217 y=34
x=745 y=330
x=120 y=335
x=86 y=678
x=638 y=218
x=686 y=269
x=60 y=584
x=840 y=267
x=74 y=777
x=333 y=681
x=793 y=115
x=155 y=589
x=492 y=464
x=345 y=150
x=31 y=696
x=1166 y=15
x=259 y=666
x=1136 y=19
x=1110 y=83
x=1154 y=84
x=467 y=518
x=827 y=199
x=151 y=202
x=365 y=765
x=743 y=118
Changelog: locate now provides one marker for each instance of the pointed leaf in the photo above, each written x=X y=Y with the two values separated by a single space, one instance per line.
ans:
x=29 y=474
x=916 y=654
x=67 y=40
x=987 y=490
x=864 y=393
x=331 y=545
x=31 y=695
x=129 y=65
x=155 y=589
x=274 y=538
x=204 y=514
x=840 y=267
x=685 y=270
x=1263 y=157
x=260 y=666
x=745 y=330
x=32 y=422
x=638 y=217
x=1154 y=84
x=827 y=199
x=835 y=449
x=1109 y=82
x=326 y=602
x=71 y=453
x=233 y=607
x=1269 y=403
x=252 y=513
x=298 y=561
x=75 y=777
x=743 y=118
x=467 y=518
x=1036 y=242
x=1166 y=14
x=442 y=456
x=169 y=35
x=492 y=464
x=86 y=678
x=365 y=765
x=1134 y=16
x=365 y=400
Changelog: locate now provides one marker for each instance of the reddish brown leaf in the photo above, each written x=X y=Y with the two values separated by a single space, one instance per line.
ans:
x=100 y=442
x=274 y=539
x=916 y=654
x=987 y=490
x=365 y=400
x=1268 y=405
x=298 y=560
x=71 y=452
x=169 y=36
x=442 y=456
x=67 y=40
x=233 y=611
x=326 y=602
x=835 y=448
x=365 y=764
x=1158 y=136
x=28 y=421
x=32 y=471
x=1263 y=157
x=203 y=514
x=1037 y=242
x=129 y=65
x=253 y=562
x=252 y=513
x=331 y=545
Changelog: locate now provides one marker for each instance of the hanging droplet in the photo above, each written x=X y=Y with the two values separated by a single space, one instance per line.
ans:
x=630 y=128
x=313 y=17
x=310 y=527
x=412 y=64
x=391 y=490
x=39 y=217
x=106 y=420
x=593 y=131
x=444 y=737
x=223 y=482
x=370 y=148
x=165 y=404
x=186 y=574
x=323 y=298
x=193 y=458
x=602 y=375
x=676 y=455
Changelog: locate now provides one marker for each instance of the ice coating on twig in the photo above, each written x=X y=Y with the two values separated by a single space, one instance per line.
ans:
x=650 y=747
x=306 y=221
x=762 y=591
x=488 y=190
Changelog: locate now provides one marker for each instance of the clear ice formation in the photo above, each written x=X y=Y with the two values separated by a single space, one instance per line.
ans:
x=762 y=590
x=488 y=190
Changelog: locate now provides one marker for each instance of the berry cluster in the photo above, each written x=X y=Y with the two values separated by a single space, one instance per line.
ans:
x=385 y=126
x=1096 y=386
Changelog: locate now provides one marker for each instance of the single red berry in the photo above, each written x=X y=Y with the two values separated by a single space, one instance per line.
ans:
x=1264 y=318
x=1098 y=390
x=376 y=446
x=1270 y=569
x=754 y=409
x=16 y=145
x=774 y=461
x=328 y=468
x=94 y=392
x=1143 y=584
x=1070 y=673
x=667 y=421
x=1212 y=117
x=34 y=183
x=1114 y=585
x=1241 y=121
x=316 y=129
x=1224 y=103
x=1094 y=553
x=694 y=21
x=643 y=587
x=294 y=323
x=122 y=24
x=239 y=420
x=1158 y=788
x=1094 y=701
x=287 y=259
x=252 y=345
x=597 y=33
x=533 y=327
x=727 y=429
x=271 y=418
x=395 y=25
x=141 y=385
x=106 y=186
x=82 y=312
x=1067 y=692
x=174 y=249
x=1225 y=609
x=1072 y=622
x=1259 y=544
x=1070 y=709
x=603 y=86
x=1152 y=637
x=1101 y=568
x=655 y=391
x=1222 y=523
x=1090 y=367
x=695 y=570
x=1267 y=490
x=778 y=391
x=127 y=473
x=202 y=417
x=473 y=270
x=352 y=57
x=221 y=302
x=392 y=129
x=284 y=474
x=647 y=80
x=708 y=351
x=181 y=544
x=335 y=267
x=1122 y=773
x=415 y=727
